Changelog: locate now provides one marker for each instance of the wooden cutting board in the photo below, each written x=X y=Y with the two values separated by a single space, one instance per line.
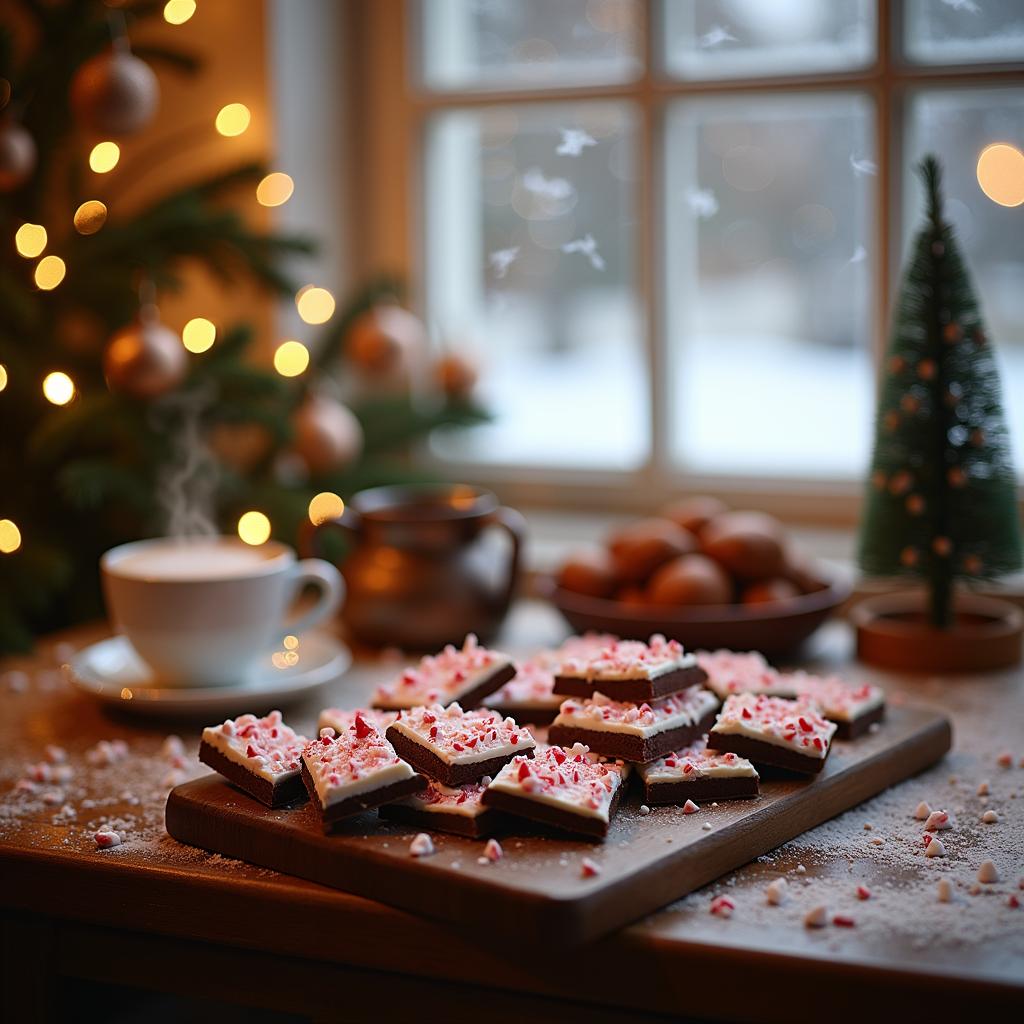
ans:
x=538 y=889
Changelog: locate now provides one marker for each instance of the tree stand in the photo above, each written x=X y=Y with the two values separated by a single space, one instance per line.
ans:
x=893 y=631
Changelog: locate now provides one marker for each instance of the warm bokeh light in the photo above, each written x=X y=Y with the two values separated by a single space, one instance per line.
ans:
x=254 y=528
x=291 y=641
x=90 y=217
x=275 y=189
x=50 y=272
x=291 y=358
x=177 y=12
x=58 y=387
x=3 y=376
x=326 y=505
x=315 y=305
x=30 y=240
x=104 y=157
x=233 y=119
x=198 y=334
x=1001 y=174
x=10 y=537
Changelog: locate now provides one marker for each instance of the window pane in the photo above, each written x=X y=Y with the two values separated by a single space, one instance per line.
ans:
x=741 y=38
x=770 y=246
x=963 y=31
x=956 y=127
x=491 y=44
x=530 y=255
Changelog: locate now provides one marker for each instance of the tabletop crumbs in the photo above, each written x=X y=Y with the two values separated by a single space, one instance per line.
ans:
x=944 y=887
x=863 y=892
x=923 y=811
x=868 y=827
x=990 y=817
x=589 y=869
x=493 y=851
x=801 y=870
x=933 y=847
x=988 y=872
x=107 y=752
x=644 y=810
x=421 y=845
x=690 y=807
x=706 y=826
x=816 y=917
x=843 y=921
x=877 y=841
x=1012 y=902
x=776 y=892
x=722 y=906
x=938 y=821
x=983 y=788
x=106 y=838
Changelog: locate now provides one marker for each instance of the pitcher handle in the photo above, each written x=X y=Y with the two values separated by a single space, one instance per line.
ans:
x=514 y=524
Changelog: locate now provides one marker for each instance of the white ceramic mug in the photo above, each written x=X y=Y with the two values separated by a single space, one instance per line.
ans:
x=202 y=612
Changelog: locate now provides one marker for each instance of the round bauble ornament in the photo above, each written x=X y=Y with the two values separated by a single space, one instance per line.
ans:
x=640 y=547
x=456 y=375
x=588 y=571
x=17 y=155
x=145 y=360
x=328 y=436
x=385 y=339
x=115 y=93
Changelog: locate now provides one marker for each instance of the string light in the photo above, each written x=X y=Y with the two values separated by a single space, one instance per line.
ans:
x=104 y=157
x=177 y=12
x=10 y=537
x=1001 y=174
x=254 y=528
x=290 y=642
x=3 y=376
x=233 y=119
x=58 y=387
x=49 y=272
x=315 y=305
x=326 y=505
x=198 y=334
x=291 y=358
x=90 y=217
x=276 y=188
x=30 y=240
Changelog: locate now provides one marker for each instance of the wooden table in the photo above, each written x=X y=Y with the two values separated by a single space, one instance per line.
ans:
x=161 y=917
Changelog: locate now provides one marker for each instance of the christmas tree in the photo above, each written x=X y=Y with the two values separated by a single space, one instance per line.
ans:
x=941 y=499
x=112 y=427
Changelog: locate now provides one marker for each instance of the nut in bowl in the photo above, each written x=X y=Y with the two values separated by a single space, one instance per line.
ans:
x=701 y=574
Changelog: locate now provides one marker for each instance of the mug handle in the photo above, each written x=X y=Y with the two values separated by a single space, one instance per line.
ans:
x=514 y=524
x=328 y=581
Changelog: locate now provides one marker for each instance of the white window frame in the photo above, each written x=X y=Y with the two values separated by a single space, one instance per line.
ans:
x=390 y=110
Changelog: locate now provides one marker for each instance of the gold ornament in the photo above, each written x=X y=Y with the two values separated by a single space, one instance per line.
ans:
x=328 y=437
x=115 y=93
x=17 y=155
x=385 y=339
x=145 y=359
x=456 y=375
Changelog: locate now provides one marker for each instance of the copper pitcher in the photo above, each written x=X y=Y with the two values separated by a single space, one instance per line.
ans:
x=420 y=571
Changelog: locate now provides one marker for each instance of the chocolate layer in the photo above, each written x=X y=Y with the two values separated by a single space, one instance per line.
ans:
x=766 y=753
x=273 y=794
x=850 y=730
x=701 y=789
x=628 y=747
x=634 y=691
x=477 y=826
x=474 y=698
x=363 y=802
x=555 y=817
x=453 y=775
x=526 y=714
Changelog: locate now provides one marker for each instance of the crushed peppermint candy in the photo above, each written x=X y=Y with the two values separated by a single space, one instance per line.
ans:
x=734 y=672
x=493 y=851
x=816 y=917
x=1005 y=759
x=988 y=872
x=938 y=821
x=863 y=892
x=933 y=847
x=990 y=817
x=601 y=712
x=690 y=807
x=266 y=746
x=442 y=678
x=794 y=724
x=106 y=837
x=644 y=810
x=421 y=846
x=945 y=890
x=843 y=921
x=923 y=811
x=625 y=659
x=458 y=736
x=983 y=788
x=106 y=753
x=1012 y=902
x=589 y=869
x=55 y=754
x=722 y=906
x=777 y=892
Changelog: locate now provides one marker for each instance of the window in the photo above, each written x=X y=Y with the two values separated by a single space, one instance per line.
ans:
x=671 y=230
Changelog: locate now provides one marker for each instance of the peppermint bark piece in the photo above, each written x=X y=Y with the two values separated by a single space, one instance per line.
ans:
x=789 y=734
x=630 y=670
x=467 y=675
x=696 y=773
x=353 y=771
x=259 y=755
x=339 y=719
x=854 y=709
x=456 y=809
x=635 y=732
x=456 y=746
x=561 y=788
x=742 y=672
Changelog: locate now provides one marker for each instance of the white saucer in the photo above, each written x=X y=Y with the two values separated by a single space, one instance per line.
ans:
x=112 y=671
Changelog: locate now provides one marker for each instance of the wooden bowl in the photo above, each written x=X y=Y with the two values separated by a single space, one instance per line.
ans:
x=774 y=629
